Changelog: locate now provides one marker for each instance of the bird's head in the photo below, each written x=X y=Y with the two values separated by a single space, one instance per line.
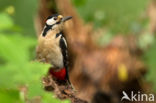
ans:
x=56 y=21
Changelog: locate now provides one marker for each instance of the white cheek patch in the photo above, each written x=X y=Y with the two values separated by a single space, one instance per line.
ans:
x=50 y=21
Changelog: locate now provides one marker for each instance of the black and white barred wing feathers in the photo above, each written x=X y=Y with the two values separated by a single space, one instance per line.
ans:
x=63 y=46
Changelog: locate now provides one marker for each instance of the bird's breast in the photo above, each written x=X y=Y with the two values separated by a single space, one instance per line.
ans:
x=49 y=51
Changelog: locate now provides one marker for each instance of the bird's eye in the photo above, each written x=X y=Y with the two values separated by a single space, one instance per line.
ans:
x=55 y=18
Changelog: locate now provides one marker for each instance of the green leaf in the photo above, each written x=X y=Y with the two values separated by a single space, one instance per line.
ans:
x=145 y=40
x=149 y=58
x=9 y=96
x=6 y=21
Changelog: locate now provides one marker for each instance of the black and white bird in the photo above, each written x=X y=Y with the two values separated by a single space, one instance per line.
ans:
x=52 y=47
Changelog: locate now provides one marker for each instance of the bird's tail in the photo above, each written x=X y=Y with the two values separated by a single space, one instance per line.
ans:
x=67 y=75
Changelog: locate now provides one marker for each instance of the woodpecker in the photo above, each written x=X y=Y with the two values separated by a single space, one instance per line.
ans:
x=52 y=47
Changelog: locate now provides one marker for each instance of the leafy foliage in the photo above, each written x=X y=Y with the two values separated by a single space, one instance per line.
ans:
x=23 y=13
x=10 y=96
x=6 y=22
x=118 y=16
x=16 y=67
x=149 y=58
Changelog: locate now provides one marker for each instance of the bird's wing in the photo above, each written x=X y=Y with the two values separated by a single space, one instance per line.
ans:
x=63 y=45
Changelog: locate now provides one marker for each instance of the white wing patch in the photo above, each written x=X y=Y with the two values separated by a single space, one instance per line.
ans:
x=64 y=41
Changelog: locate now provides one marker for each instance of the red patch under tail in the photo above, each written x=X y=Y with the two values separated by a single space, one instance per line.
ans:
x=60 y=75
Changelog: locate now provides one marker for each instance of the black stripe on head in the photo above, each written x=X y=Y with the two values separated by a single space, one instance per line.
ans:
x=46 y=29
x=54 y=15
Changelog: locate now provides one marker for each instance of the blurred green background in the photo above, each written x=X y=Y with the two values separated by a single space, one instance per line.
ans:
x=18 y=41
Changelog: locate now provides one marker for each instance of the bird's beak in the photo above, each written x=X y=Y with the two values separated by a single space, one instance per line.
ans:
x=66 y=18
x=60 y=17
